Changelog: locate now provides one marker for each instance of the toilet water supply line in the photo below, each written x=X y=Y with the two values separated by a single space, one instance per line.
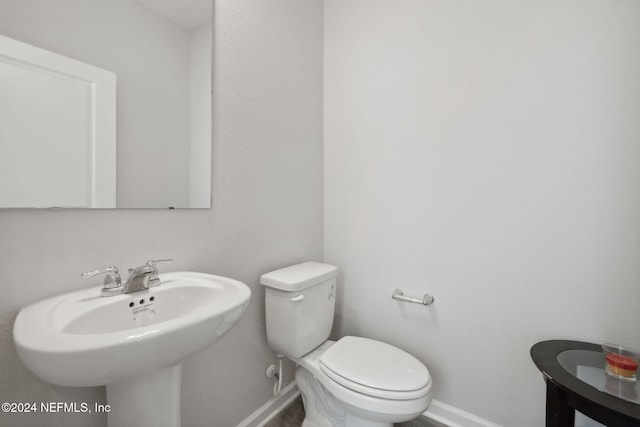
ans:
x=278 y=375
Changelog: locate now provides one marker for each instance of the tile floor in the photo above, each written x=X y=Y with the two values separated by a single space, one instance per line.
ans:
x=292 y=416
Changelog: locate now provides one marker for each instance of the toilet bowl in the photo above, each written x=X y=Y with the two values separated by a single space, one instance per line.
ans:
x=334 y=400
x=352 y=382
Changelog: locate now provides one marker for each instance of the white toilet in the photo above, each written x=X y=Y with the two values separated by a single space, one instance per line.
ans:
x=352 y=382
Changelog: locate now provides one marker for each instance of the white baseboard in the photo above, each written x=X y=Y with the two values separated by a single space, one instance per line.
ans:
x=454 y=417
x=263 y=415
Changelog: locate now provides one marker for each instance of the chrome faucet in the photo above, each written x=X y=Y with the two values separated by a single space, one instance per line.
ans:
x=140 y=278
x=144 y=277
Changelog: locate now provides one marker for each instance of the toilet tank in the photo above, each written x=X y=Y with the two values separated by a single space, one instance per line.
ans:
x=299 y=305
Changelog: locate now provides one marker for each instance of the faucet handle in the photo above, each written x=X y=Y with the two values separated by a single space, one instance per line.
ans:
x=155 y=262
x=112 y=280
x=154 y=280
x=151 y=266
x=112 y=276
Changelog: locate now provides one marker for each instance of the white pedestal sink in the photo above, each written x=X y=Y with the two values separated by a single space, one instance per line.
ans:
x=132 y=343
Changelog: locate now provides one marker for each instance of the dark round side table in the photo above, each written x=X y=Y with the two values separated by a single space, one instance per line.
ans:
x=575 y=378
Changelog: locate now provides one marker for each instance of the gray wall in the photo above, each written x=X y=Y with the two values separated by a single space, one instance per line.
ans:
x=267 y=213
x=485 y=152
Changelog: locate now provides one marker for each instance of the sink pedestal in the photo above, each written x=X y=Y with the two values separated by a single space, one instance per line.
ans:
x=149 y=401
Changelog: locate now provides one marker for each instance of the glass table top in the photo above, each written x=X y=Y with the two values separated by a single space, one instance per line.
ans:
x=588 y=366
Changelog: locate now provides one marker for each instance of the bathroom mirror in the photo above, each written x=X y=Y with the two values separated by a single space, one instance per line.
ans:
x=160 y=55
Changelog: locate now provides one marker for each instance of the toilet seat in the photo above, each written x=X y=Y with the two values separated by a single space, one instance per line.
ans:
x=375 y=369
x=364 y=404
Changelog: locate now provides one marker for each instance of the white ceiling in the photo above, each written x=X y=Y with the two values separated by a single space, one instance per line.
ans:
x=186 y=13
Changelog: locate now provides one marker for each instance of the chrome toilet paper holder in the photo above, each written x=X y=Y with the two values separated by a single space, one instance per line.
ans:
x=427 y=299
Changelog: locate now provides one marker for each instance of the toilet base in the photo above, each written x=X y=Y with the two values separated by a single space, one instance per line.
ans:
x=354 y=423
x=324 y=410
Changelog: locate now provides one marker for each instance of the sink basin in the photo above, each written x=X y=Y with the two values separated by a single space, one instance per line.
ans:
x=83 y=339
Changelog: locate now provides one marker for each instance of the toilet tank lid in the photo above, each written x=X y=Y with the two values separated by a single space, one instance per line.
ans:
x=299 y=276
